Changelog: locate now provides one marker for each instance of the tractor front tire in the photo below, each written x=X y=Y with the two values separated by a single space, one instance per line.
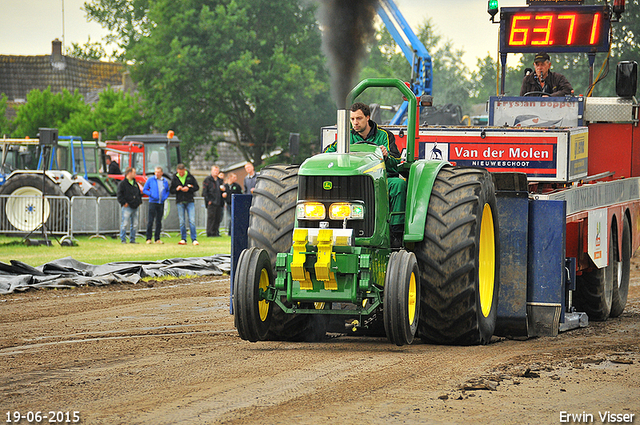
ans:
x=621 y=272
x=271 y=221
x=253 y=313
x=459 y=259
x=401 y=298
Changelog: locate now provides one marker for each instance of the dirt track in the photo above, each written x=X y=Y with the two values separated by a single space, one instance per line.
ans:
x=168 y=353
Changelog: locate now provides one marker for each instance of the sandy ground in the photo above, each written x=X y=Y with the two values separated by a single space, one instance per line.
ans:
x=166 y=353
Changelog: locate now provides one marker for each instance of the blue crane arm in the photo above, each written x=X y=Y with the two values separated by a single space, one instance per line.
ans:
x=413 y=49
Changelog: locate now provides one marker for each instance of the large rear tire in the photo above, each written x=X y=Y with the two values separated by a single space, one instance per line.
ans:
x=74 y=190
x=98 y=191
x=621 y=272
x=271 y=221
x=594 y=289
x=401 y=298
x=253 y=312
x=25 y=214
x=459 y=259
x=272 y=213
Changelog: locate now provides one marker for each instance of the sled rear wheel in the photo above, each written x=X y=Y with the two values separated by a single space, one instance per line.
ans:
x=621 y=272
x=594 y=289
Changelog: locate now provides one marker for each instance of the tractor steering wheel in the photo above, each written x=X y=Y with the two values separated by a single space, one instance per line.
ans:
x=536 y=93
x=365 y=142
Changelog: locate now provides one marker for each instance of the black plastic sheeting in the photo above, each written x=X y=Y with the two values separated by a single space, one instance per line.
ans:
x=67 y=272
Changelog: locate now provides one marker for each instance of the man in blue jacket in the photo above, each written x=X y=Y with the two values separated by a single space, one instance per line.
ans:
x=157 y=189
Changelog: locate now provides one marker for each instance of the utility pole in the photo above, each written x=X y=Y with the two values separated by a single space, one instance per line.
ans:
x=63 y=27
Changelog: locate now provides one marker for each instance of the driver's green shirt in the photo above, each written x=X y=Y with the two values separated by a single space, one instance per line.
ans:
x=380 y=137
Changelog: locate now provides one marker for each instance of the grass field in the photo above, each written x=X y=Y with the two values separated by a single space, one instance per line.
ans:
x=101 y=251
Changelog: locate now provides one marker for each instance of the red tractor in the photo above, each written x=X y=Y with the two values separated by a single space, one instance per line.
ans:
x=145 y=152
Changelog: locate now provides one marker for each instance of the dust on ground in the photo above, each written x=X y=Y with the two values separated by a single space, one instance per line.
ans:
x=167 y=352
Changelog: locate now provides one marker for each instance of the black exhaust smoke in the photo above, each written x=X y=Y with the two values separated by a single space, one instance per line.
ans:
x=347 y=28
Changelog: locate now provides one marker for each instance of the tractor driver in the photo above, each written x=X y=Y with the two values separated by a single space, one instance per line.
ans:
x=544 y=81
x=366 y=130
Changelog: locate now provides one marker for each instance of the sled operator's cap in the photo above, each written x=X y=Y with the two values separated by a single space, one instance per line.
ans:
x=541 y=57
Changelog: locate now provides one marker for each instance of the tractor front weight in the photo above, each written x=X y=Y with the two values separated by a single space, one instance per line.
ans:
x=322 y=268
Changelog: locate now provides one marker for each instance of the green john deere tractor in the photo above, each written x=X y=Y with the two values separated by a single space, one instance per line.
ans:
x=320 y=251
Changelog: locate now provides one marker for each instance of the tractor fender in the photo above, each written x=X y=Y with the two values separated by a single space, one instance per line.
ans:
x=62 y=178
x=19 y=172
x=85 y=185
x=422 y=176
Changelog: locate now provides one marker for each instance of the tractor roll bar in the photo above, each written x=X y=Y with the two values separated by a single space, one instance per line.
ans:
x=406 y=91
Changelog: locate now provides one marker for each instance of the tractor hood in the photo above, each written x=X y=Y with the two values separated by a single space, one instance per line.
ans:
x=363 y=159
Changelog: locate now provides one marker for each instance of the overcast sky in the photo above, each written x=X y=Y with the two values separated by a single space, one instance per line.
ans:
x=29 y=26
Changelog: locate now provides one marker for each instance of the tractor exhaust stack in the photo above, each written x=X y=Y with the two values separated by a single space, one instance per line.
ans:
x=342 y=145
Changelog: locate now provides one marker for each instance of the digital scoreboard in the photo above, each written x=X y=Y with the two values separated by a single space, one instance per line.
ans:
x=554 y=29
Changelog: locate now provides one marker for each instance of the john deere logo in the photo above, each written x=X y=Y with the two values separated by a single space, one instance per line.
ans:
x=327 y=185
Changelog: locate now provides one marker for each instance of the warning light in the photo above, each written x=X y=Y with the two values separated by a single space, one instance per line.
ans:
x=492 y=8
x=170 y=134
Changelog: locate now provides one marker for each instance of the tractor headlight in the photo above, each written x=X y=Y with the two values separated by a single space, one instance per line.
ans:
x=311 y=211
x=344 y=210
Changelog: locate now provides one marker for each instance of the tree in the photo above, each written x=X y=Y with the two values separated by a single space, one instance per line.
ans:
x=4 y=123
x=451 y=81
x=485 y=77
x=46 y=109
x=88 y=51
x=126 y=19
x=250 y=66
x=115 y=115
x=384 y=61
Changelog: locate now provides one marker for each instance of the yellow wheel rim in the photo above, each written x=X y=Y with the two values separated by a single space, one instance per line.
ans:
x=487 y=260
x=318 y=305
x=413 y=298
x=263 y=305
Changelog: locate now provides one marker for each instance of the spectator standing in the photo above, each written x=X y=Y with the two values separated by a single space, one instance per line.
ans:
x=232 y=187
x=130 y=199
x=184 y=186
x=250 y=179
x=112 y=166
x=223 y=214
x=157 y=189
x=212 y=190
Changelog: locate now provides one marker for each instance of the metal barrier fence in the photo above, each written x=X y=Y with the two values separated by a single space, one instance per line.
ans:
x=100 y=216
x=22 y=214
x=82 y=215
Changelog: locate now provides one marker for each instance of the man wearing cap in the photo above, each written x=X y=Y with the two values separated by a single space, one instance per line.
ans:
x=545 y=81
